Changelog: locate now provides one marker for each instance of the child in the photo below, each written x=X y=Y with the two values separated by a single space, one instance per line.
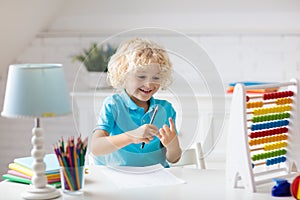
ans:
x=124 y=135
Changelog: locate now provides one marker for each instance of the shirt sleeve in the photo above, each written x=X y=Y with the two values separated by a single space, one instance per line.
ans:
x=173 y=116
x=167 y=111
x=106 y=118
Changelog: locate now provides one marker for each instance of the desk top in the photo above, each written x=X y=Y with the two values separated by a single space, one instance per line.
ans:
x=200 y=184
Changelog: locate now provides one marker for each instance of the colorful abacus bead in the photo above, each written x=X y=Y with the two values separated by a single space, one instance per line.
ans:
x=274 y=161
x=274 y=109
x=268 y=125
x=269 y=154
x=283 y=101
x=268 y=139
x=276 y=145
x=275 y=95
x=257 y=104
x=268 y=132
x=277 y=116
x=271 y=161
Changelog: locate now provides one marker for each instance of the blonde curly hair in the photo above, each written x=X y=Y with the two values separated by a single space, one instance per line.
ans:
x=135 y=54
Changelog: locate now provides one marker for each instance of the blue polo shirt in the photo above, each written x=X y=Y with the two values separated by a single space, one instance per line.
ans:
x=120 y=114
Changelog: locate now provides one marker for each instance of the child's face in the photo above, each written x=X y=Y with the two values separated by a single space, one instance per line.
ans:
x=142 y=84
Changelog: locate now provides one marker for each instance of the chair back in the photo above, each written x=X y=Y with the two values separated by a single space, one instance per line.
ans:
x=191 y=157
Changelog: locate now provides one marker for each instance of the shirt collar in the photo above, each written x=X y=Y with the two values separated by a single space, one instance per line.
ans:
x=152 y=104
x=130 y=104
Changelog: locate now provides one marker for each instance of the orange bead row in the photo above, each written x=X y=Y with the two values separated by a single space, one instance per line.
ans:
x=257 y=104
x=273 y=138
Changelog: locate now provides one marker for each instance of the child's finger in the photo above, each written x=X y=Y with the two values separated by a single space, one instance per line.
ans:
x=167 y=129
x=163 y=133
x=158 y=135
x=152 y=130
x=145 y=140
x=154 y=133
x=150 y=138
x=152 y=127
x=172 y=125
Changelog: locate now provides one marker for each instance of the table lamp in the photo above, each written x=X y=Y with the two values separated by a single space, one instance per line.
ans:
x=36 y=90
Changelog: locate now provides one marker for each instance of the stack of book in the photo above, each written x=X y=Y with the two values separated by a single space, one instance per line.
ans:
x=247 y=83
x=21 y=170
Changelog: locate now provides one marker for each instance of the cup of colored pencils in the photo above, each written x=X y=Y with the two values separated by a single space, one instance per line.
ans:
x=71 y=157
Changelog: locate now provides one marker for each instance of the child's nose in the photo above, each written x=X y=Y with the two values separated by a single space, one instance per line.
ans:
x=149 y=83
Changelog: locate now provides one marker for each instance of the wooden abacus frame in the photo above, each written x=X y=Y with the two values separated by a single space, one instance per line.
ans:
x=239 y=164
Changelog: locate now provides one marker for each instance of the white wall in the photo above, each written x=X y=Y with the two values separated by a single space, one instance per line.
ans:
x=237 y=57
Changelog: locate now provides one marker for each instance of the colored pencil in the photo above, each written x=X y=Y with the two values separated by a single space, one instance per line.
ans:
x=71 y=157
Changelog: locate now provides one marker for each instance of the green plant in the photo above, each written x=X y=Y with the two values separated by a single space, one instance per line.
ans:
x=96 y=57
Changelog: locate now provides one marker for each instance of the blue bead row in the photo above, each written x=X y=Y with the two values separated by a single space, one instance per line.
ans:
x=268 y=125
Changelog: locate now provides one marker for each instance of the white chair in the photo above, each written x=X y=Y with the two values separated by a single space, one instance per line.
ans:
x=191 y=157
x=90 y=159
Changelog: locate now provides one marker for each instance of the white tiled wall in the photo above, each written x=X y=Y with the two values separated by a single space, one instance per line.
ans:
x=236 y=57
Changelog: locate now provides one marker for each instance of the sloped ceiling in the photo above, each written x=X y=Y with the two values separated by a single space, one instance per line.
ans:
x=188 y=16
x=20 y=22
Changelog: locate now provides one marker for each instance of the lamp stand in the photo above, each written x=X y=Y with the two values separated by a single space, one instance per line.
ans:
x=40 y=188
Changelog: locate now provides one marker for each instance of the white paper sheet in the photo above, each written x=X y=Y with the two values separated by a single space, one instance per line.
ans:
x=136 y=177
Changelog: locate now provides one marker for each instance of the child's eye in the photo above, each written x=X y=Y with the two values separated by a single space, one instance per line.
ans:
x=141 y=77
x=156 y=78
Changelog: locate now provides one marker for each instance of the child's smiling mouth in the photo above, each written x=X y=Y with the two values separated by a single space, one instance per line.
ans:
x=145 y=91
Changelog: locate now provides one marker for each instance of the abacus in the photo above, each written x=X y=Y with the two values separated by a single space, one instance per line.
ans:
x=263 y=135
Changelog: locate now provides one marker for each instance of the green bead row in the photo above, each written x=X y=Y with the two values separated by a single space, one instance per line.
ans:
x=268 y=154
x=271 y=117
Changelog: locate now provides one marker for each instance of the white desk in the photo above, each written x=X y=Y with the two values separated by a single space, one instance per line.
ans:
x=201 y=184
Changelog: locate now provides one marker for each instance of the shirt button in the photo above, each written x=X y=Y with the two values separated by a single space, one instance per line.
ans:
x=144 y=121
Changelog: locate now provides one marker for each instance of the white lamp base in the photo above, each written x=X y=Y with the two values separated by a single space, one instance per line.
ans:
x=40 y=189
x=48 y=192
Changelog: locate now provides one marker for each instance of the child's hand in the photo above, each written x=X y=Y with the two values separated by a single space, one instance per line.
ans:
x=144 y=133
x=167 y=135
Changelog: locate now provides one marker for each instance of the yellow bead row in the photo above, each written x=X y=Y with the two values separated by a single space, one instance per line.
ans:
x=274 y=109
x=276 y=145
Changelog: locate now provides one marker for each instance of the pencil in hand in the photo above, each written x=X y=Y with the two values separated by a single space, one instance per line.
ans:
x=151 y=121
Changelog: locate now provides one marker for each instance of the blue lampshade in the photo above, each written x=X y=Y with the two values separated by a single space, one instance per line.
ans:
x=36 y=90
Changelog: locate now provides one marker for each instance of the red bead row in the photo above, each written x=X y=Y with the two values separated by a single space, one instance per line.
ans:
x=268 y=132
